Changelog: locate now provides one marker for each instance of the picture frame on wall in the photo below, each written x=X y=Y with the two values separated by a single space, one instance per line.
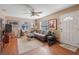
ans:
x=52 y=23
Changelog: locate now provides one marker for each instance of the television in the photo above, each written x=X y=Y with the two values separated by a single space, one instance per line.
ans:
x=8 y=28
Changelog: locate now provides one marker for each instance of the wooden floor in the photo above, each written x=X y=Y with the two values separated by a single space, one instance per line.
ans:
x=51 y=50
x=11 y=49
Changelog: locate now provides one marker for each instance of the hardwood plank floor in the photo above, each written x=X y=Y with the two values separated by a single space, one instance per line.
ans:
x=51 y=50
x=11 y=49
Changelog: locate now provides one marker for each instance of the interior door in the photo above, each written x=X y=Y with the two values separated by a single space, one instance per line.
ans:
x=77 y=39
x=69 y=29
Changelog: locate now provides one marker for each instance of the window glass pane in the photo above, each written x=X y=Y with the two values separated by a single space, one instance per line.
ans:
x=25 y=26
x=44 y=25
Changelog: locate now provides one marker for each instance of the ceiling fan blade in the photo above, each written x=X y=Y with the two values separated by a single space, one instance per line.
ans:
x=31 y=10
x=37 y=15
x=39 y=12
x=32 y=15
x=27 y=13
x=4 y=10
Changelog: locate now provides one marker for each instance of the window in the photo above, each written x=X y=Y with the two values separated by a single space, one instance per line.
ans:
x=25 y=26
x=44 y=25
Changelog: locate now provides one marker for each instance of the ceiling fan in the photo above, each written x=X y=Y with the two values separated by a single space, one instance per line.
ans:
x=33 y=12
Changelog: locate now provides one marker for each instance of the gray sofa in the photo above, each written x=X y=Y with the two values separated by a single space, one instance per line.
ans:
x=40 y=36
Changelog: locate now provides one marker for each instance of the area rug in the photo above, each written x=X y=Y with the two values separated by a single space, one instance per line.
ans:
x=69 y=47
x=24 y=45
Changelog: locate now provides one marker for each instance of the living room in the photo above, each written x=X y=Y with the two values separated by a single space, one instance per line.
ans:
x=38 y=29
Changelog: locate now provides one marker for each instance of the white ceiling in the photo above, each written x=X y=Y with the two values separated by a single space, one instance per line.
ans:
x=19 y=10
